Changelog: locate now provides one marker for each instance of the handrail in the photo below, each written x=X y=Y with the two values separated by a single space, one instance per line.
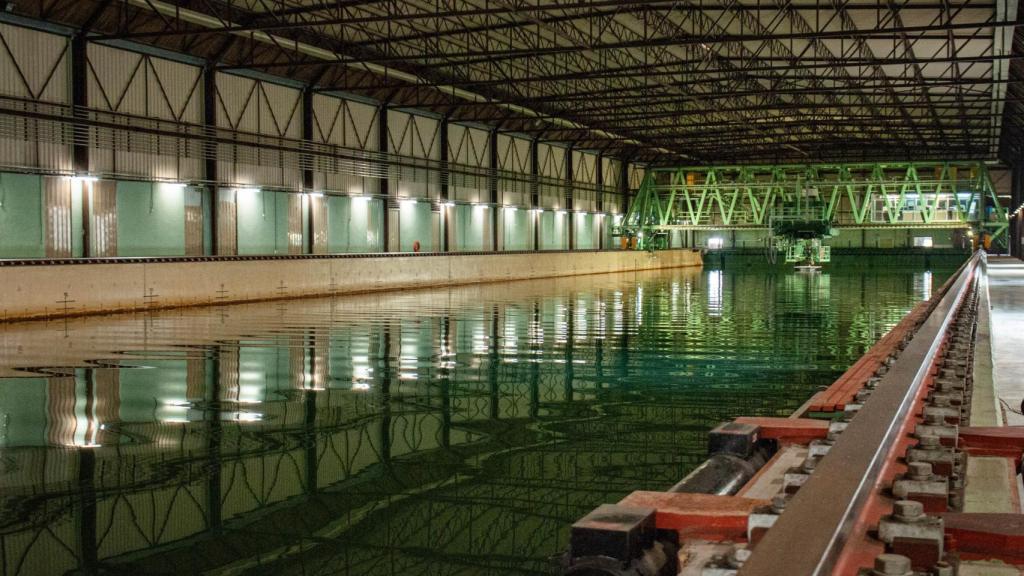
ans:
x=809 y=537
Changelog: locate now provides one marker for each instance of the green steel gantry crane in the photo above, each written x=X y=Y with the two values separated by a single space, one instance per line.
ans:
x=798 y=205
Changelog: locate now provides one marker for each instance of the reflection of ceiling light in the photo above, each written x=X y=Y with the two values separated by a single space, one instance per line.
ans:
x=360 y=386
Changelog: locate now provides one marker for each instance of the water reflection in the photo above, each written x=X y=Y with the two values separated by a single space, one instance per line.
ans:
x=434 y=432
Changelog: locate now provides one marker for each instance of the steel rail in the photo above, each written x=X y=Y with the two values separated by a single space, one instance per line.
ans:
x=810 y=536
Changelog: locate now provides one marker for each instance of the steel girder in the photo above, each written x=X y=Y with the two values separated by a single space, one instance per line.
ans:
x=774 y=81
x=867 y=195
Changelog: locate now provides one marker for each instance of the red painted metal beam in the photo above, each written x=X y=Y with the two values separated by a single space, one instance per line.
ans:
x=701 y=516
x=983 y=536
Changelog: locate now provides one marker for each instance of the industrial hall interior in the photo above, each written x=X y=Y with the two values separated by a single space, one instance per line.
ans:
x=511 y=287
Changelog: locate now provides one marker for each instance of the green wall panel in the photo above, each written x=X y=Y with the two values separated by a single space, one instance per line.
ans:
x=469 y=227
x=262 y=222
x=415 y=223
x=586 y=237
x=517 y=230
x=553 y=230
x=150 y=219
x=21 y=216
x=353 y=224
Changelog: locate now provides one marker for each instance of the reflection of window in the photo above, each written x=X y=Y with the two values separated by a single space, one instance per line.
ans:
x=922 y=241
x=714 y=243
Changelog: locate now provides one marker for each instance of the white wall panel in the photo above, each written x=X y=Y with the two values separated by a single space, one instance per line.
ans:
x=34 y=65
x=34 y=68
x=270 y=110
x=584 y=173
x=611 y=168
x=418 y=137
x=352 y=125
x=551 y=165
x=468 y=147
x=127 y=82
x=514 y=156
x=636 y=175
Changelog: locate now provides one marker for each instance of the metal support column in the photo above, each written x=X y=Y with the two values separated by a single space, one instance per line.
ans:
x=1016 y=197
x=444 y=176
x=385 y=192
x=492 y=185
x=599 y=200
x=307 y=137
x=535 y=193
x=80 y=131
x=307 y=167
x=80 y=102
x=623 y=187
x=1018 y=227
x=570 y=208
x=210 y=148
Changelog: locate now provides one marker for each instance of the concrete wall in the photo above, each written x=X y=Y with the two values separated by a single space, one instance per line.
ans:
x=58 y=290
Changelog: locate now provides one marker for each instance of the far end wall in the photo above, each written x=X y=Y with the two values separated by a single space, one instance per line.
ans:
x=847 y=238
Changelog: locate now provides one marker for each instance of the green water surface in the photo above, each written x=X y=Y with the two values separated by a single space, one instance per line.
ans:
x=437 y=432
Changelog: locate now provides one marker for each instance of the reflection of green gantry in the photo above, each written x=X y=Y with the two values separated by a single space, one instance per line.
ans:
x=836 y=196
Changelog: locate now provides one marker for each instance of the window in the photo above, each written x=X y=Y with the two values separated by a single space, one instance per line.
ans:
x=715 y=243
x=922 y=241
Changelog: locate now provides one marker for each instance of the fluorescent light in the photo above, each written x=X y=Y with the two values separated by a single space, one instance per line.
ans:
x=83 y=178
x=560 y=212
x=315 y=194
x=510 y=208
x=249 y=191
x=178 y=185
x=407 y=201
x=361 y=199
x=448 y=204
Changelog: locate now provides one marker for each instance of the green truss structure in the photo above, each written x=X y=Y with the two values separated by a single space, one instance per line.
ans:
x=843 y=196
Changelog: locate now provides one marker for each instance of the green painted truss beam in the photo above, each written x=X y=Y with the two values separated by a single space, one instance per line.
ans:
x=880 y=195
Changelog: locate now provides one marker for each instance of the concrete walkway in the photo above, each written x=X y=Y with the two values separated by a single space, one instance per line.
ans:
x=1006 y=296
